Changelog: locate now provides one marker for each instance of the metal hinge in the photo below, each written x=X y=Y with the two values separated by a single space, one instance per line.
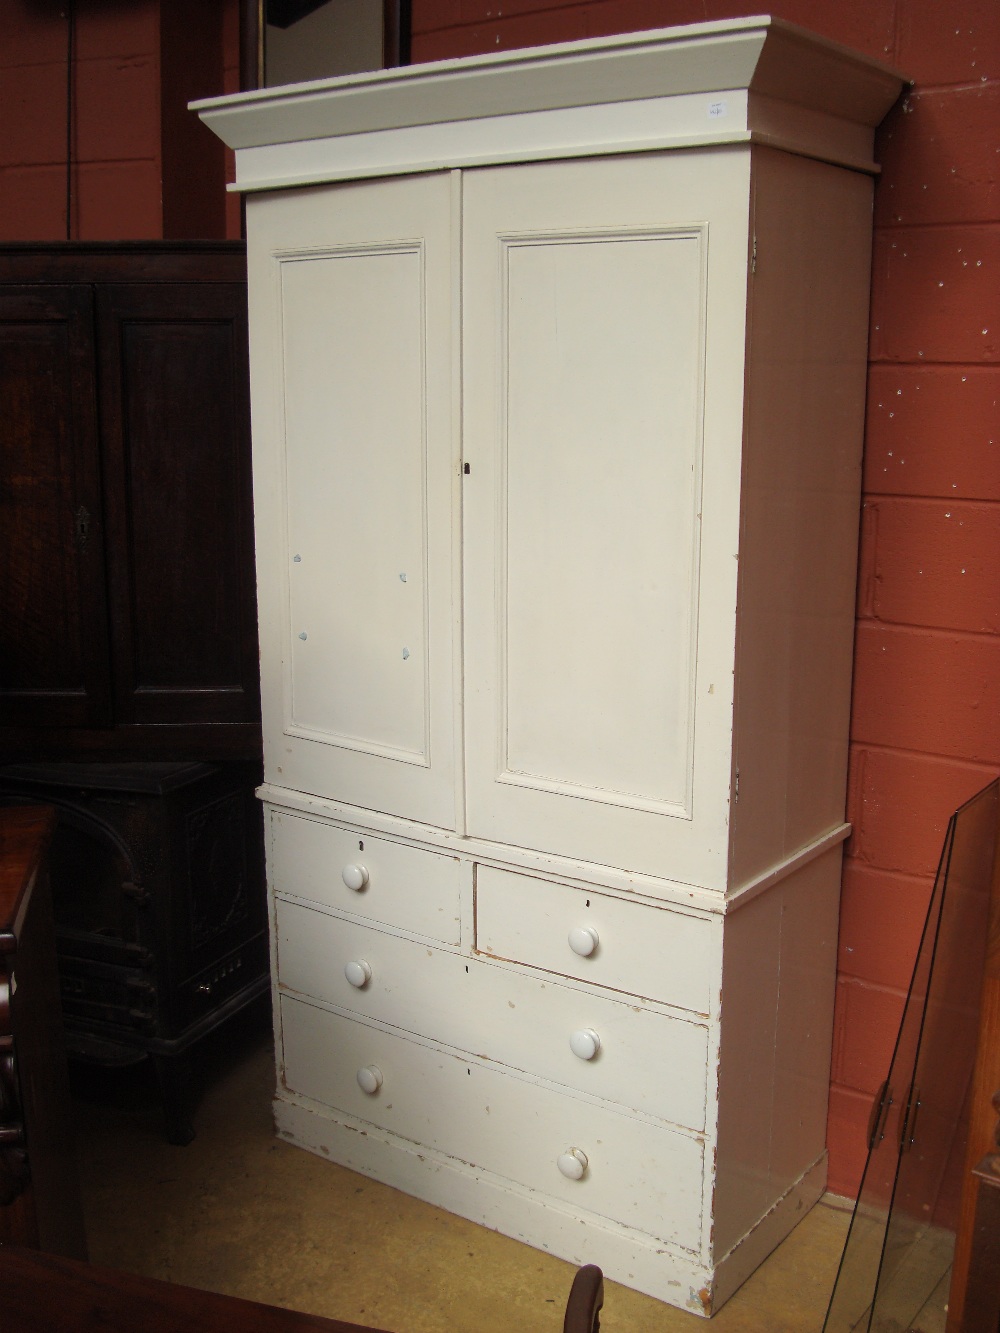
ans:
x=879 y=1112
x=908 y=1128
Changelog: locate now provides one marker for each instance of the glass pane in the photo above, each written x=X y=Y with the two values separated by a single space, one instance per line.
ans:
x=896 y=1263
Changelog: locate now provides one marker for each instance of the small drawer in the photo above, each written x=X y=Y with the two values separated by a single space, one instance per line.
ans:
x=654 y=952
x=637 y=1173
x=376 y=879
x=648 y=1061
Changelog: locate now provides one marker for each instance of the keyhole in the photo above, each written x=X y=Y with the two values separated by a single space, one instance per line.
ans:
x=82 y=526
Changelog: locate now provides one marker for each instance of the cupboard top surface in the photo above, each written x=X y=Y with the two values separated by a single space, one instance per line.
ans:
x=755 y=78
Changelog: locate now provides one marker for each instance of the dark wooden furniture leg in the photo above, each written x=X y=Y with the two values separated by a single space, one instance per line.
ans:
x=39 y=1194
x=586 y=1300
x=175 y=1080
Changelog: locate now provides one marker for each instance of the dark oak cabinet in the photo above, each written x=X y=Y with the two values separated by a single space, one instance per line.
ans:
x=129 y=695
x=127 y=607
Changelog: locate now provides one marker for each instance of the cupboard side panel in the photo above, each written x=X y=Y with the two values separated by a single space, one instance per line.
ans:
x=801 y=504
x=779 y=954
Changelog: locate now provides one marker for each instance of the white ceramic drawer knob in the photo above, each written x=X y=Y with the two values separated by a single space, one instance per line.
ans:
x=358 y=972
x=355 y=877
x=573 y=1163
x=583 y=940
x=585 y=1043
x=370 y=1079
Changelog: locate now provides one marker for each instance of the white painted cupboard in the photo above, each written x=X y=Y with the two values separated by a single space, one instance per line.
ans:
x=558 y=365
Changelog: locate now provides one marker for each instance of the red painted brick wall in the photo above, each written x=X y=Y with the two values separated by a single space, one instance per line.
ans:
x=926 y=722
x=926 y=718
x=142 y=167
x=231 y=84
x=116 y=135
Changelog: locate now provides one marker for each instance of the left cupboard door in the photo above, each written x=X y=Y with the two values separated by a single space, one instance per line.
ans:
x=353 y=332
x=53 y=614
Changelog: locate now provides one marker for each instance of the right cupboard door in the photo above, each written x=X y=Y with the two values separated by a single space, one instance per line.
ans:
x=601 y=299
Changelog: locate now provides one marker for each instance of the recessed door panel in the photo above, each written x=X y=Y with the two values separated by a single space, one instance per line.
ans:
x=352 y=351
x=174 y=404
x=53 y=632
x=601 y=388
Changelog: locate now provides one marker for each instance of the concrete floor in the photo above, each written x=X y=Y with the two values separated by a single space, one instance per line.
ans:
x=236 y=1211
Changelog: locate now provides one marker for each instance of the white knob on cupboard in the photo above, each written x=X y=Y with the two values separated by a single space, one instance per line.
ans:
x=369 y=1079
x=355 y=877
x=573 y=1163
x=583 y=940
x=358 y=972
x=585 y=1043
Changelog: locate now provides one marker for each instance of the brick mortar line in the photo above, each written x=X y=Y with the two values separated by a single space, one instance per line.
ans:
x=60 y=163
x=923 y=881
x=59 y=63
x=979 y=224
x=872 y=985
x=989 y=770
x=853 y=1092
x=934 y=631
x=954 y=498
x=931 y=89
x=925 y=364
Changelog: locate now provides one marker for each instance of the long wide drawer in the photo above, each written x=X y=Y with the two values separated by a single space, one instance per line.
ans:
x=397 y=885
x=658 y=953
x=648 y=1061
x=634 y=1172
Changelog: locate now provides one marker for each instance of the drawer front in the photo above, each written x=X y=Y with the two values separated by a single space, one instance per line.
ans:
x=655 y=952
x=401 y=886
x=637 y=1173
x=647 y=1061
